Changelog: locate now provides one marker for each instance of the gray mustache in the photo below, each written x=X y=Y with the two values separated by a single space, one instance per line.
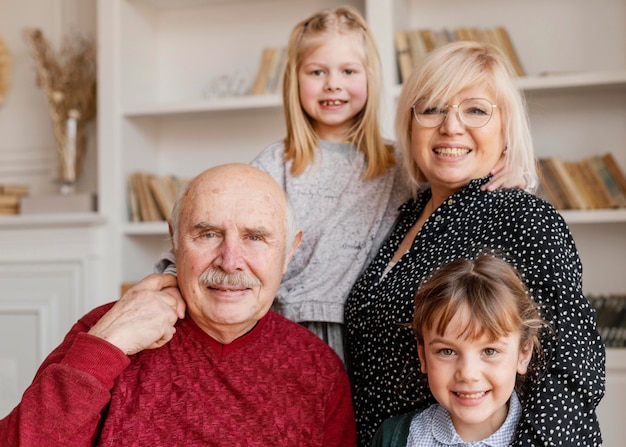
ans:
x=219 y=277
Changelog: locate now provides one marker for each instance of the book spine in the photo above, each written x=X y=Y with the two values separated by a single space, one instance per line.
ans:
x=403 y=55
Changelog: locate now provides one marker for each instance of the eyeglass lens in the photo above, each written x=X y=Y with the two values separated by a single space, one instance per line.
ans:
x=473 y=112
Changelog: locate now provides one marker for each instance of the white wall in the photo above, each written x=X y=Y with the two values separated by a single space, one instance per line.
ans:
x=27 y=151
x=47 y=271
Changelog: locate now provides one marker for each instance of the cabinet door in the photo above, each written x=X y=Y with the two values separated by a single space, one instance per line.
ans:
x=611 y=408
x=49 y=277
x=38 y=305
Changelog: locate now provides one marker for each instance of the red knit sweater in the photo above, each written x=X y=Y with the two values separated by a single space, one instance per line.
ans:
x=278 y=385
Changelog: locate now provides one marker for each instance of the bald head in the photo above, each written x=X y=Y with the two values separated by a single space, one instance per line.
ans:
x=232 y=179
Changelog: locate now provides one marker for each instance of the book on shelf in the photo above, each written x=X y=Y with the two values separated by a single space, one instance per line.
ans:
x=14 y=190
x=588 y=183
x=276 y=71
x=443 y=36
x=550 y=189
x=9 y=200
x=161 y=194
x=413 y=45
x=8 y=210
x=610 y=318
x=466 y=33
x=429 y=38
x=417 y=47
x=601 y=193
x=134 y=213
x=269 y=74
x=574 y=169
x=11 y=196
x=504 y=42
x=403 y=55
x=260 y=81
x=147 y=209
x=611 y=182
x=574 y=197
x=615 y=170
x=151 y=197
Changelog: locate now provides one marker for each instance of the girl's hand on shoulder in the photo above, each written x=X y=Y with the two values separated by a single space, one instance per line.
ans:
x=502 y=178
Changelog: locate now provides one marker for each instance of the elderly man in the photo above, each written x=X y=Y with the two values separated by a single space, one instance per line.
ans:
x=216 y=367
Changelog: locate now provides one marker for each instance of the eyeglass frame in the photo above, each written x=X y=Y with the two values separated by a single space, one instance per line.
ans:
x=458 y=113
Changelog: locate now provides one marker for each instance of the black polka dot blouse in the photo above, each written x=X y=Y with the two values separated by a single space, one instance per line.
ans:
x=559 y=406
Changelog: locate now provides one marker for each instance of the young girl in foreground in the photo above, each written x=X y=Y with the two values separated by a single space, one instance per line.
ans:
x=476 y=327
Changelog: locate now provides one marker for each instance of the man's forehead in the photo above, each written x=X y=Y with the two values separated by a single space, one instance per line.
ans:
x=236 y=214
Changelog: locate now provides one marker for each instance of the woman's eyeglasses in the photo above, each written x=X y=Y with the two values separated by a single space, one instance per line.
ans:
x=472 y=112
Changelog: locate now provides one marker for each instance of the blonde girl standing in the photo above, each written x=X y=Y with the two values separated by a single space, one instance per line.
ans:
x=342 y=178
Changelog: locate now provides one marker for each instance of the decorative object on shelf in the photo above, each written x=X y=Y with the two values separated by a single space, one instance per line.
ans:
x=224 y=86
x=5 y=70
x=68 y=78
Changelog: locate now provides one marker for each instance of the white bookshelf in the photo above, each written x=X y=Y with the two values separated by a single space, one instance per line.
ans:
x=157 y=56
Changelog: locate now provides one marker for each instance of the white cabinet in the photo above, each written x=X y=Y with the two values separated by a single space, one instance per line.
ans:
x=50 y=272
x=610 y=410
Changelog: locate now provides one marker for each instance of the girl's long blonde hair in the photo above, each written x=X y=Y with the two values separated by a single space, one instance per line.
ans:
x=301 y=140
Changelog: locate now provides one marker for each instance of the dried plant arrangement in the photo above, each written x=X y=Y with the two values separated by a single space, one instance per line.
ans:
x=5 y=70
x=68 y=79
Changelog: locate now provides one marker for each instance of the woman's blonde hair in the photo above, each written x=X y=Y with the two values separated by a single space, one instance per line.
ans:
x=453 y=68
x=301 y=140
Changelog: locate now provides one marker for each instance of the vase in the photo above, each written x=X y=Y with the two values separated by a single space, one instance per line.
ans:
x=71 y=149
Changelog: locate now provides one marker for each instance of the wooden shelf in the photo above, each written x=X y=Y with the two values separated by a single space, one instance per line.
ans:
x=67 y=220
x=573 y=80
x=594 y=216
x=205 y=106
x=179 y=4
x=570 y=216
x=528 y=84
x=566 y=81
x=146 y=229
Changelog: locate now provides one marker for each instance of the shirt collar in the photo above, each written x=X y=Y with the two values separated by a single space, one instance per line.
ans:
x=444 y=432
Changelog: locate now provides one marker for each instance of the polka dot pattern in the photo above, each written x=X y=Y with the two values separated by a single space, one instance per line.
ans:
x=559 y=407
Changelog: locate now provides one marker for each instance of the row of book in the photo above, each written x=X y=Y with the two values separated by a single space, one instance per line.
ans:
x=610 y=318
x=592 y=183
x=151 y=197
x=11 y=196
x=412 y=46
x=268 y=79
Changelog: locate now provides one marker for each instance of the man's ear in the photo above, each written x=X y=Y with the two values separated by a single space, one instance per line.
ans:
x=294 y=245
x=171 y=232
